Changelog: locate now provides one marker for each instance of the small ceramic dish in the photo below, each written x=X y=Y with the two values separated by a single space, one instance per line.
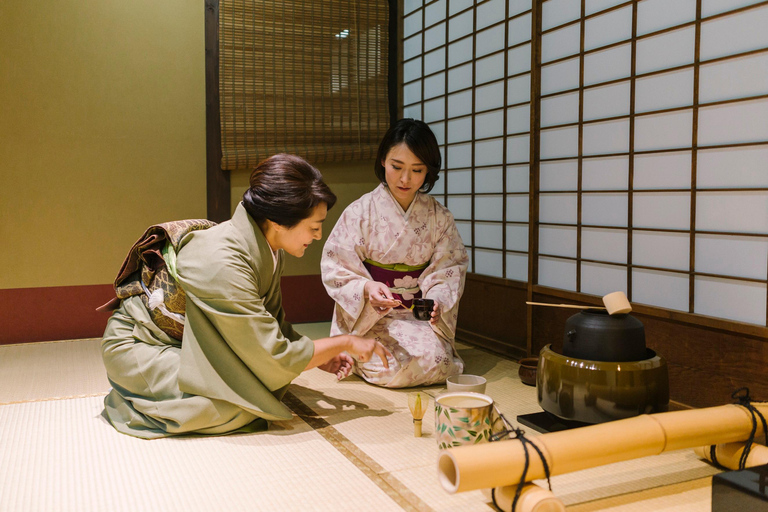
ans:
x=527 y=371
x=473 y=383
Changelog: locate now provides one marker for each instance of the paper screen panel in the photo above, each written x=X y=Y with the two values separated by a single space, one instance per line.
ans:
x=412 y=92
x=745 y=121
x=610 y=173
x=518 y=178
x=735 y=212
x=489 y=68
x=490 y=12
x=557 y=241
x=434 y=61
x=489 y=124
x=603 y=244
x=412 y=70
x=519 y=89
x=610 y=64
x=459 y=181
x=659 y=288
x=517 y=266
x=734 y=78
x=519 y=59
x=561 y=76
x=725 y=298
x=518 y=149
x=560 y=109
x=517 y=207
x=558 y=12
x=489 y=97
x=517 y=237
x=465 y=231
x=560 y=43
x=412 y=111
x=653 y=15
x=439 y=130
x=412 y=47
x=735 y=256
x=600 y=279
x=608 y=28
x=559 y=175
x=459 y=156
x=488 y=235
x=666 y=90
x=434 y=85
x=460 y=104
x=519 y=119
x=489 y=40
x=604 y=209
x=460 y=206
x=434 y=110
x=460 y=52
x=411 y=5
x=606 y=137
x=662 y=210
x=666 y=50
x=557 y=273
x=661 y=250
x=459 y=130
x=558 y=208
x=460 y=26
x=460 y=78
x=455 y=6
x=733 y=167
x=489 y=180
x=717 y=35
x=439 y=186
x=560 y=142
x=607 y=101
x=710 y=7
x=519 y=30
x=434 y=12
x=413 y=23
x=664 y=131
x=489 y=263
x=489 y=152
x=489 y=208
x=663 y=170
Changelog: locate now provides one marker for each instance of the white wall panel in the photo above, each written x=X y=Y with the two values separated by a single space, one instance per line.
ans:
x=517 y=208
x=557 y=273
x=518 y=148
x=663 y=170
x=488 y=235
x=664 y=131
x=560 y=43
x=736 y=212
x=657 y=288
x=605 y=173
x=738 y=256
x=663 y=210
x=665 y=50
x=557 y=241
x=489 y=96
x=653 y=15
x=489 y=152
x=559 y=175
x=597 y=279
x=610 y=64
x=604 y=209
x=517 y=237
x=733 y=167
x=560 y=142
x=489 y=208
x=666 y=90
x=517 y=267
x=734 y=78
x=489 y=180
x=660 y=249
x=489 y=124
x=560 y=109
x=717 y=35
x=606 y=137
x=746 y=121
x=604 y=244
x=558 y=208
x=606 y=101
x=519 y=30
x=489 y=263
x=608 y=28
x=725 y=298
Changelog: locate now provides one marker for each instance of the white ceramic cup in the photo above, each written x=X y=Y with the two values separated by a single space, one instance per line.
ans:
x=473 y=383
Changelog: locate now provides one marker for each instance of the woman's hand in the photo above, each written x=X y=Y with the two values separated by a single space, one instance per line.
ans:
x=380 y=296
x=341 y=365
x=435 y=314
x=364 y=348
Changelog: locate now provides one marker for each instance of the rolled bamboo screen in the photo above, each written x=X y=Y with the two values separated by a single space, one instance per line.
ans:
x=307 y=77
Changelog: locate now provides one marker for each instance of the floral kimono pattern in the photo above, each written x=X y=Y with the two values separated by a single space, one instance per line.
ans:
x=376 y=228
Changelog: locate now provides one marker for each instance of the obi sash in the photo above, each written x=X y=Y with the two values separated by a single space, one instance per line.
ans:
x=402 y=280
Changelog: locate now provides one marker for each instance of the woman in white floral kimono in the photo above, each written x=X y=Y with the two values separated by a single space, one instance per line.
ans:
x=392 y=245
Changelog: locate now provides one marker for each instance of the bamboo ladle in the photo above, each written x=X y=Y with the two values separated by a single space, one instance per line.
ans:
x=615 y=303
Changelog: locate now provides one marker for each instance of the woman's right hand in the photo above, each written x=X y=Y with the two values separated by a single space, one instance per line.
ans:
x=364 y=348
x=380 y=296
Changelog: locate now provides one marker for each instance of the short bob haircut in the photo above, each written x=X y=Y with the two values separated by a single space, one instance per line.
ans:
x=422 y=143
x=285 y=189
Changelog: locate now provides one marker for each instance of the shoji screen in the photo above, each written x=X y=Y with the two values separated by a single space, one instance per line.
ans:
x=467 y=72
x=654 y=153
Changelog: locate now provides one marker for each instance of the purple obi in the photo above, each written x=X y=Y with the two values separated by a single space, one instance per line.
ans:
x=401 y=279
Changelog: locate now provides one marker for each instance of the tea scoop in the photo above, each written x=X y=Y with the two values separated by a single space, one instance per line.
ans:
x=417 y=405
x=615 y=303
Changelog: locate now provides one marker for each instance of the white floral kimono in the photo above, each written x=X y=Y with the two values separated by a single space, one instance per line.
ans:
x=375 y=229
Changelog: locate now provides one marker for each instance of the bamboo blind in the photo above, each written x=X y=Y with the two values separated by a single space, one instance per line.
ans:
x=307 y=77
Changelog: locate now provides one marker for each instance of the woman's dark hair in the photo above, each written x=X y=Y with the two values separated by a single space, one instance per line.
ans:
x=422 y=143
x=285 y=189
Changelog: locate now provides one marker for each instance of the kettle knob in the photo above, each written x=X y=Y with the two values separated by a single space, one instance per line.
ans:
x=571 y=333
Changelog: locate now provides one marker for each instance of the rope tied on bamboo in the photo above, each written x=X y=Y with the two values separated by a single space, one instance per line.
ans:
x=745 y=401
x=525 y=442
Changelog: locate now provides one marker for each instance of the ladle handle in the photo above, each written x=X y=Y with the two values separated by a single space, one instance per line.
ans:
x=574 y=306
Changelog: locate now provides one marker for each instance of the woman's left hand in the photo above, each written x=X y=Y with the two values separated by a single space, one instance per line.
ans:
x=435 y=314
x=341 y=365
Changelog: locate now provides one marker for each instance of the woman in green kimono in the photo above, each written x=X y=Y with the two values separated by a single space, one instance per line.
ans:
x=199 y=343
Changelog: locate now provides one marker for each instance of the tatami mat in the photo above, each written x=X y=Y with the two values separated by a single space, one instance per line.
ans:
x=350 y=447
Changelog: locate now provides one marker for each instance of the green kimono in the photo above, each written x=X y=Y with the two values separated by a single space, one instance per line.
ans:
x=237 y=355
